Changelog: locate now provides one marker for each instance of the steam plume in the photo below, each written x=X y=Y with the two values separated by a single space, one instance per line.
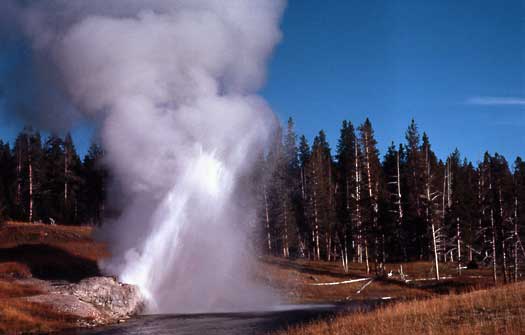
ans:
x=172 y=83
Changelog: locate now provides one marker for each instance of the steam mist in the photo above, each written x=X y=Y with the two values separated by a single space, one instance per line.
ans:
x=171 y=83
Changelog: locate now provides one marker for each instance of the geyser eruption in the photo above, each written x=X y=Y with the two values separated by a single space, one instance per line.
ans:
x=172 y=85
x=203 y=188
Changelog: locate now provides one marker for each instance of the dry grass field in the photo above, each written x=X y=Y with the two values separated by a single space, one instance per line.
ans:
x=20 y=316
x=498 y=310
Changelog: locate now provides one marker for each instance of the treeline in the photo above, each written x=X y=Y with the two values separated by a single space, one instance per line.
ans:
x=46 y=181
x=351 y=205
x=406 y=205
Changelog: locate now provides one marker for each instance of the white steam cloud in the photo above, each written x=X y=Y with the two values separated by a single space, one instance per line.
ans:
x=172 y=83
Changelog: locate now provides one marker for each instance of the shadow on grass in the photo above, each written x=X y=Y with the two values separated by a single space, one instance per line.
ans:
x=51 y=263
x=308 y=269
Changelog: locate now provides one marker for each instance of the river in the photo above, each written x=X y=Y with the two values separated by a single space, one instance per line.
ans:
x=226 y=323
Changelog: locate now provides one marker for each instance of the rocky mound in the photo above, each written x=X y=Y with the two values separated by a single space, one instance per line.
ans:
x=96 y=300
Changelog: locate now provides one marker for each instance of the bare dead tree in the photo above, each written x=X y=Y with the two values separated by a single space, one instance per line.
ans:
x=267 y=221
x=30 y=167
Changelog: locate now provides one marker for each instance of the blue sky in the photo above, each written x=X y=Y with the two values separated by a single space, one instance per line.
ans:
x=457 y=67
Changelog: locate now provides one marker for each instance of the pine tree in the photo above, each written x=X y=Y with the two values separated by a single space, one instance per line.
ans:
x=413 y=180
x=52 y=169
x=95 y=178
x=290 y=192
x=505 y=210
x=28 y=156
x=519 y=217
x=346 y=180
x=374 y=234
x=20 y=155
x=72 y=182
x=392 y=199
x=7 y=175
x=453 y=222
x=497 y=210
x=430 y=200
x=282 y=191
x=304 y=222
x=322 y=196
x=486 y=207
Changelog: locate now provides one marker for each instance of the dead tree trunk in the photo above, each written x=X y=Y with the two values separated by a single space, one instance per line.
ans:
x=436 y=261
x=267 y=219
x=317 y=251
x=449 y=186
x=286 y=249
x=304 y=198
x=400 y=203
x=366 y=258
x=373 y=200
x=66 y=173
x=358 y=206
x=481 y=204
x=443 y=205
x=516 y=239
x=502 y=234
x=19 y=175
x=344 y=255
x=30 y=161
x=458 y=238
x=494 y=262
x=429 y=216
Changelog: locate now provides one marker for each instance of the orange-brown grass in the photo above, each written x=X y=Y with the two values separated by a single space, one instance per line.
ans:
x=46 y=251
x=421 y=275
x=296 y=280
x=21 y=317
x=12 y=289
x=14 y=270
x=50 y=251
x=491 y=311
x=73 y=239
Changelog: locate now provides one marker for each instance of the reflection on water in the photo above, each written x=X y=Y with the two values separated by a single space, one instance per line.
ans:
x=226 y=323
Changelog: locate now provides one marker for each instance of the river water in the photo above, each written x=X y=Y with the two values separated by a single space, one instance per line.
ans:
x=227 y=323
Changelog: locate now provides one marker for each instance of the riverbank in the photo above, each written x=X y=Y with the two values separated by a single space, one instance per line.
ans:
x=497 y=310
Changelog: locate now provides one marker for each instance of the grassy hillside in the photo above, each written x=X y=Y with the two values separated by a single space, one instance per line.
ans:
x=29 y=252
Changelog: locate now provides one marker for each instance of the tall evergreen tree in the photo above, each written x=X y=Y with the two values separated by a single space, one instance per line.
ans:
x=7 y=175
x=372 y=174
x=304 y=222
x=322 y=197
x=52 y=167
x=518 y=252
x=29 y=174
x=95 y=177
x=290 y=194
x=72 y=182
x=391 y=215
x=430 y=202
x=346 y=181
